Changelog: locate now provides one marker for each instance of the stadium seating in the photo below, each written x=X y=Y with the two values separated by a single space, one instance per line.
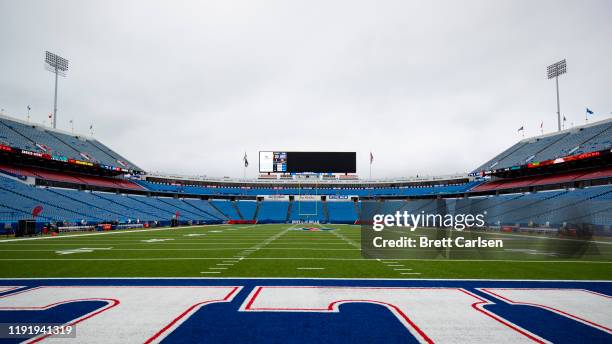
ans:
x=21 y=189
x=552 y=208
x=247 y=209
x=227 y=208
x=559 y=178
x=272 y=212
x=342 y=212
x=243 y=191
x=307 y=211
x=75 y=178
x=37 y=138
x=590 y=138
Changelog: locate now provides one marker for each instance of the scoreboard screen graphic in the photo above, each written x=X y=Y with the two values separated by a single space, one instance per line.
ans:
x=307 y=162
x=273 y=162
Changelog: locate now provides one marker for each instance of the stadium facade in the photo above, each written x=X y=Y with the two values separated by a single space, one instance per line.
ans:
x=73 y=182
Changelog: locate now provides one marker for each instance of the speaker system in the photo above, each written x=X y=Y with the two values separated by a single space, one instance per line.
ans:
x=25 y=227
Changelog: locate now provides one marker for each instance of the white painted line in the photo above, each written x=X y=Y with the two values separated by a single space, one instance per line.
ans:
x=402 y=269
x=307 y=258
x=410 y=273
x=157 y=240
x=231 y=261
x=399 y=265
x=310 y=268
x=217 y=268
x=221 y=264
x=210 y=272
x=106 y=233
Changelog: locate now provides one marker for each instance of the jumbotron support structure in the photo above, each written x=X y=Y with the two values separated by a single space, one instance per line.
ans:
x=59 y=66
x=553 y=71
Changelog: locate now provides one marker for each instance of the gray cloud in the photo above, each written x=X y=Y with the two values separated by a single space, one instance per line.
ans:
x=430 y=87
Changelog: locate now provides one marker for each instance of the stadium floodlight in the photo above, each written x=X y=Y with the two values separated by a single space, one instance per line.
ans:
x=59 y=66
x=553 y=71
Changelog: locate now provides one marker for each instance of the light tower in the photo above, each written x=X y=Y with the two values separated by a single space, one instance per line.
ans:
x=59 y=66
x=553 y=71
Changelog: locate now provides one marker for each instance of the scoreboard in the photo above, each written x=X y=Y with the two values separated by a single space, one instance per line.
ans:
x=307 y=162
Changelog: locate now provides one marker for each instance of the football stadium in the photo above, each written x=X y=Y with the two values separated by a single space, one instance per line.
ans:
x=97 y=248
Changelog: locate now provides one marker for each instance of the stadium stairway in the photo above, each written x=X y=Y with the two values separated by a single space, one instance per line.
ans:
x=257 y=207
x=216 y=210
x=175 y=203
x=289 y=210
x=237 y=209
x=226 y=208
x=248 y=209
x=325 y=212
x=205 y=208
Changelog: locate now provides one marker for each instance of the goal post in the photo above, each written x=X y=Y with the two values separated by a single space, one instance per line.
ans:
x=304 y=200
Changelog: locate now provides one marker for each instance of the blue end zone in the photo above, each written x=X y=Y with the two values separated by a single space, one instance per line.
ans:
x=356 y=322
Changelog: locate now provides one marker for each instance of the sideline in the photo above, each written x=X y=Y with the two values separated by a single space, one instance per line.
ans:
x=108 y=233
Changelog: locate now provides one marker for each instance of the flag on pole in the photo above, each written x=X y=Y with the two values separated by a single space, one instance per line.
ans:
x=246 y=160
x=542 y=125
x=90 y=126
x=50 y=115
x=521 y=129
x=589 y=111
x=29 y=108
x=371 y=158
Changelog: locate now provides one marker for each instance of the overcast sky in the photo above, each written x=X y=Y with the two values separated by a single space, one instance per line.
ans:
x=430 y=87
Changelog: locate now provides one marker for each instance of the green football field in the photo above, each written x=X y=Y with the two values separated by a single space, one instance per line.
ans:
x=265 y=251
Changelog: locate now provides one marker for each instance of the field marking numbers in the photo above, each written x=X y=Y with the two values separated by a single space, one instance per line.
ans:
x=83 y=250
x=156 y=240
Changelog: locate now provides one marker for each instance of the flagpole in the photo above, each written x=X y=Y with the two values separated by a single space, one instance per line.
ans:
x=244 y=164
x=586 y=116
x=370 y=178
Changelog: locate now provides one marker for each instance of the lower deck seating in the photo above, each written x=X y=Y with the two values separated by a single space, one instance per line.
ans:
x=590 y=205
x=272 y=211
x=247 y=209
x=227 y=208
x=342 y=212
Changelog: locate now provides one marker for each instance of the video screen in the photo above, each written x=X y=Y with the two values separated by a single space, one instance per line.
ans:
x=308 y=162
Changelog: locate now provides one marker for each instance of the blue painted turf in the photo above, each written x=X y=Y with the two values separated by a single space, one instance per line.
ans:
x=355 y=323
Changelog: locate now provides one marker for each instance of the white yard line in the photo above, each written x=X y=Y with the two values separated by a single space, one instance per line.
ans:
x=241 y=255
x=306 y=258
x=310 y=268
x=350 y=242
x=196 y=249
